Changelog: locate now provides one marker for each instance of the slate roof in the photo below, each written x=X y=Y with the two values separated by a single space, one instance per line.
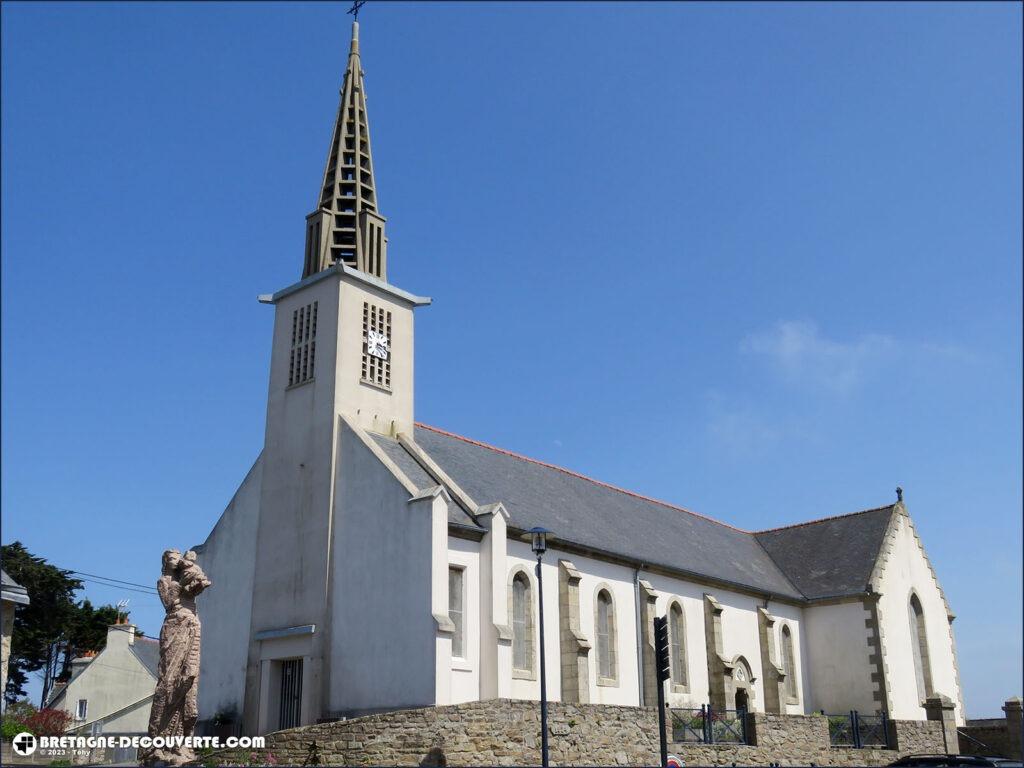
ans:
x=419 y=476
x=11 y=590
x=831 y=557
x=147 y=650
x=600 y=517
x=826 y=558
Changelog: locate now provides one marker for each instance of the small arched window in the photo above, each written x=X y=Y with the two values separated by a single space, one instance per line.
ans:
x=789 y=664
x=919 y=646
x=522 y=624
x=606 y=669
x=677 y=644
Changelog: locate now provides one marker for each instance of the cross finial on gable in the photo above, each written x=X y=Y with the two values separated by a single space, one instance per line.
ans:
x=899 y=494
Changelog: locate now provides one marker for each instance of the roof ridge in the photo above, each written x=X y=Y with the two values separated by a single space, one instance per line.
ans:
x=824 y=519
x=571 y=473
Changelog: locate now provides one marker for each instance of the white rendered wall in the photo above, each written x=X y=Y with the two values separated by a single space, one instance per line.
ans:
x=228 y=557
x=618 y=579
x=382 y=634
x=465 y=671
x=792 y=616
x=690 y=597
x=739 y=629
x=740 y=638
x=295 y=498
x=907 y=570
x=519 y=555
x=837 y=668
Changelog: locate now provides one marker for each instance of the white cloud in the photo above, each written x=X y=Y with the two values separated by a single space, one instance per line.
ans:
x=800 y=353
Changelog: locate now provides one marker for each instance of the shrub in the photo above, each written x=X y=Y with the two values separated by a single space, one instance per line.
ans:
x=16 y=719
x=48 y=722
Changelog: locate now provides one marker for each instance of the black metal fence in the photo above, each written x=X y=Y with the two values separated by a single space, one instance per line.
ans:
x=857 y=731
x=709 y=726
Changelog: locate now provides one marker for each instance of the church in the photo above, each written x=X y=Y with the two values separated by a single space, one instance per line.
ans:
x=370 y=563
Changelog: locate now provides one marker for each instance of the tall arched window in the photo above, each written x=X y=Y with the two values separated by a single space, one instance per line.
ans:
x=919 y=643
x=605 y=620
x=522 y=625
x=677 y=644
x=789 y=664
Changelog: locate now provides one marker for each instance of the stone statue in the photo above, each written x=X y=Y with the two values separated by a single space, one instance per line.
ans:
x=175 y=706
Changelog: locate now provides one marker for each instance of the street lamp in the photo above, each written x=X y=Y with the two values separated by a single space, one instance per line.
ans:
x=539 y=543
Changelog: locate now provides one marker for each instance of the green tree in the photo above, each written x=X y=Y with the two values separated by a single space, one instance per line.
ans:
x=53 y=628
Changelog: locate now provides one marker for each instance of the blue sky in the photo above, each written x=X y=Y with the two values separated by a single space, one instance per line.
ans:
x=760 y=260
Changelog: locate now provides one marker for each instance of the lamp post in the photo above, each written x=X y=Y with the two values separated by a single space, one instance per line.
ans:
x=539 y=544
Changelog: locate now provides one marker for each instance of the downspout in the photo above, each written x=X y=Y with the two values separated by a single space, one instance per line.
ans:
x=639 y=635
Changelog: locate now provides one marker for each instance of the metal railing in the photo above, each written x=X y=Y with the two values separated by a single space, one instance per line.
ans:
x=709 y=726
x=856 y=731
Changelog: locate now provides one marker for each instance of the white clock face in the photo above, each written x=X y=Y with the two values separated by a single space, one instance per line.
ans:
x=377 y=344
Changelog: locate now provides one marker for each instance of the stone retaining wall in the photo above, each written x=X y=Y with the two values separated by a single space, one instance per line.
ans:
x=1001 y=738
x=506 y=732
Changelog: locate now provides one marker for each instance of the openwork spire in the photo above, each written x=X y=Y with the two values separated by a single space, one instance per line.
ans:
x=346 y=225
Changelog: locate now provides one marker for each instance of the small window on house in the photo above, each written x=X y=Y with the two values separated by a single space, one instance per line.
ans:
x=83 y=709
x=376 y=345
x=919 y=647
x=522 y=625
x=605 y=638
x=302 y=361
x=677 y=644
x=789 y=664
x=455 y=613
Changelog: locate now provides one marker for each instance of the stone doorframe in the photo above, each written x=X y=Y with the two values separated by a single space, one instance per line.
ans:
x=721 y=671
x=742 y=679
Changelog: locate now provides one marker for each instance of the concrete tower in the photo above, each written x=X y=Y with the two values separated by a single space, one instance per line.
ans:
x=342 y=350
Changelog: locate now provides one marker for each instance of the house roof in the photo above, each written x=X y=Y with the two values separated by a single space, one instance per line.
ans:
x=12 y=591
x=147 y=650
x=832 y=557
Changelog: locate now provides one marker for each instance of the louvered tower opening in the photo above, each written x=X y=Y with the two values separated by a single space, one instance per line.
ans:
x=346 y=227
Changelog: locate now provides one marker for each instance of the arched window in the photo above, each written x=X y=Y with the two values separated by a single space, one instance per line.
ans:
x=919 y=643
x=677 y=644
x=522 y=625
x=605 y=621
x=789 y=664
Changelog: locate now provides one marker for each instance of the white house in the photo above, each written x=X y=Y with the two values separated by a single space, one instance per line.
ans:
x=371 y=563
x=111 y=692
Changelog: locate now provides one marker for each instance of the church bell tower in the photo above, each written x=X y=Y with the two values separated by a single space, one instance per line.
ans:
x=342 y=353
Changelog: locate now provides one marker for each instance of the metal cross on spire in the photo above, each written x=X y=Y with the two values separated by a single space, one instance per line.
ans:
x=354 y=10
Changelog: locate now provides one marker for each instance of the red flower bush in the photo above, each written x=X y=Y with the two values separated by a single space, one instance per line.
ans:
x=48 y=722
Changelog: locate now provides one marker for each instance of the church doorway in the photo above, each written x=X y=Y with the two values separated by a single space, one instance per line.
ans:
x=741 y=699
x=290 y=702
x=742 y=682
